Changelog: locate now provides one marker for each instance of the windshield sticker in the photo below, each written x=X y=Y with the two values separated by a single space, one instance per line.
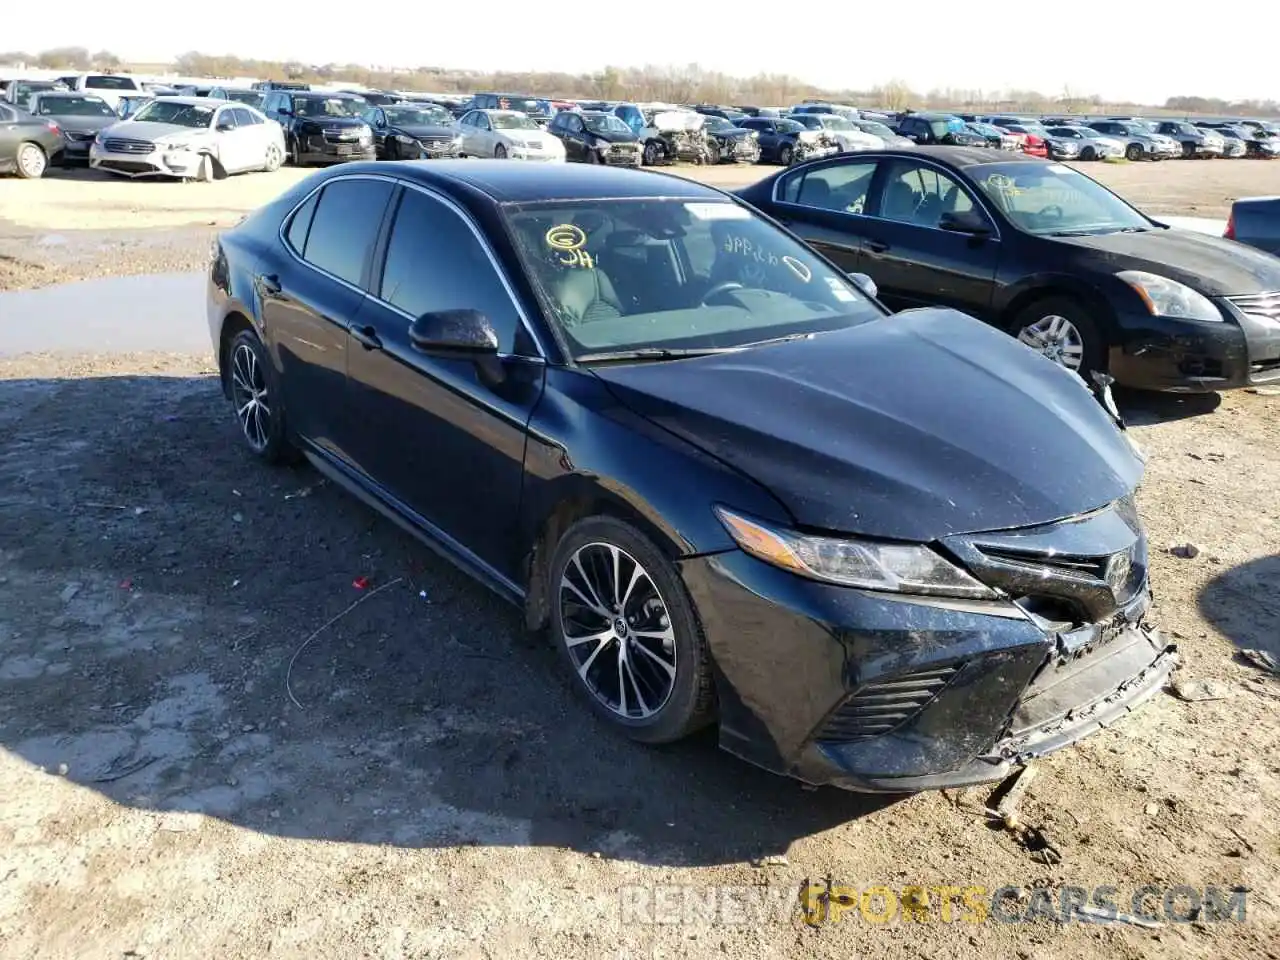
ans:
x=744 y=247
x=839 y=290
x=798 y=268
x=717 y=211
x=1005 y=184
x=568 y=240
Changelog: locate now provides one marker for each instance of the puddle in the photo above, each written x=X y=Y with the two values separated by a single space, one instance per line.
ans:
x=163 y=312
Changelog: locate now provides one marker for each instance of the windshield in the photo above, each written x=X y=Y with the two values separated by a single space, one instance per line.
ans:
x=326 y=106
x=871 y=126
x=512 y=121
x=180 y=114
x=833 y=122
x=538 y=107
x=250 y=97
x=606 y=124
x=419 y=116
x=941 y=128
x=671 y=274
x=73 y=107
x=1049 y=199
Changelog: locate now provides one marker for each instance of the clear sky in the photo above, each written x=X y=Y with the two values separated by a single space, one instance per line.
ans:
x=1120 y=49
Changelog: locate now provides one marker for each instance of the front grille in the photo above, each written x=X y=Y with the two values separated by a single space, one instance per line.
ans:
x=79 y=136
x=1259 y=305
x=119 y=145
x=435 y=144
x=535 y=144
x=341 y=136
x=1090 y=566
x=879 y=708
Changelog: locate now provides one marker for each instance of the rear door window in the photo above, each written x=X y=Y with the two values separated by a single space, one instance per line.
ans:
x=345 y=227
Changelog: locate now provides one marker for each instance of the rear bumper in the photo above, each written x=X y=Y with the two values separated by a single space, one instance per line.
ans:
x=806 y=672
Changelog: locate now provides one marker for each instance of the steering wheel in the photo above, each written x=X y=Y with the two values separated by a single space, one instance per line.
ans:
x=1052 y=210
x=720 y=288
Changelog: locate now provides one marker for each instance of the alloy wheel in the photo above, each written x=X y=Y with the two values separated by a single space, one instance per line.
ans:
x=31 y=161
x=1056 y=338
x=618 y=631
x=249 y=394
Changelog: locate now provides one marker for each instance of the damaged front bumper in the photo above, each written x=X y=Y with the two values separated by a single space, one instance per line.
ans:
x=889 y=693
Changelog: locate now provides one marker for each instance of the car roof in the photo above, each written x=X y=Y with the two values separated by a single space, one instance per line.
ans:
x=960 y=157
x=505 y=181
x=502 y=113
x=196 y=101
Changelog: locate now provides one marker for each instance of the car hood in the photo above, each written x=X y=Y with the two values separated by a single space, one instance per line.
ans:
x=1212 y=265
x=915 y=427
x=614 y=136
x=150 y=130
x=732 y=133
x=82 y=123
x=425 y=130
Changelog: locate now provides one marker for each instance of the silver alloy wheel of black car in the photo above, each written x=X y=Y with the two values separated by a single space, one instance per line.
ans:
x=785 y=154
x=249 y=394
x=651 y=154
x=1057 y=338
x=617 y=630
x=32 y=161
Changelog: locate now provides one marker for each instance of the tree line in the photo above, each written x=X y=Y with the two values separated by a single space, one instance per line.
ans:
x=681 y=84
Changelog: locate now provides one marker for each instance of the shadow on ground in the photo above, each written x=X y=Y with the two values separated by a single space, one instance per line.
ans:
x=1244 y=604
x=155 y=583
x=1144 y=408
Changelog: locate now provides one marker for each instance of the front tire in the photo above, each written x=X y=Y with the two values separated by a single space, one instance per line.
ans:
x=1133 y=152
x=786 y=154
x=256 y=396
x=651 y=154
x=1061 y=329
x=499 y=152
x=1088 y=154
x=627 y=629
x=31 y=161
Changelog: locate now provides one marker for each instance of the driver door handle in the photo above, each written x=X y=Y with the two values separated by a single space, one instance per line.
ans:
x=270 y=283
x=367 y=337
x=877 y=246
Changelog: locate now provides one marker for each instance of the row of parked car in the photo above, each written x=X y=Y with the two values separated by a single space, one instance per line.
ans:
x=201 y=131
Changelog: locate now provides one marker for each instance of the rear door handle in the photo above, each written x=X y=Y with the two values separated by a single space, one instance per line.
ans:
x=877 y=246
x=368 y=337
x=270 y=283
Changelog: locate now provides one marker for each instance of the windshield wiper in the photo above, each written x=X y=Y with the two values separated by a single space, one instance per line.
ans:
x=653 y=353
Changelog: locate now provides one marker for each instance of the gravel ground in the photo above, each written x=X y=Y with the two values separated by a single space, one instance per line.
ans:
x=207 y=750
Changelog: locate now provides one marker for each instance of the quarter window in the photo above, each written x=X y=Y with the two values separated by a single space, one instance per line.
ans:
x=345 y=226
x=434 y=262
x=301 y=223
x=920 y=195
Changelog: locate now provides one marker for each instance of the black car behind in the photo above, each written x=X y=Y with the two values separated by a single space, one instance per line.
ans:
x=727 y=143
x=321 y=128
x=80 y=117
x=413 y=131
x=1047 y=254
x=891 y=554
x=595 y=136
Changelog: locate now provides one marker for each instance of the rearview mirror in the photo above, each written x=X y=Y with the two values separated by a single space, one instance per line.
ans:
x=865 y=284
x=968 y=221
x=454 y=333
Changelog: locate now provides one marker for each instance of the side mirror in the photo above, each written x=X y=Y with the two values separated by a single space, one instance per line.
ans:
x=969 y=222
x=454 y=333
x=865 y=284
x=285 y=112
x=225 y=126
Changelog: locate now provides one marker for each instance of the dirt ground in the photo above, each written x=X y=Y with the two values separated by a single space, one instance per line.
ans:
x=206 y=750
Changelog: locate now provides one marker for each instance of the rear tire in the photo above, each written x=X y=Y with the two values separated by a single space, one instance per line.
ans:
x=1061 y=329
x=643 y=638
x=274 y=159
x=257 y=401
x=31 y=161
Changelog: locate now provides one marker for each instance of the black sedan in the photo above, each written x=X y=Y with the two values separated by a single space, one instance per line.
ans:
x=684 y=444
x=727 y=143
x=79 y=116
x=594 y=136
x=1046 y=254
x=27 y=144
x=413 y=131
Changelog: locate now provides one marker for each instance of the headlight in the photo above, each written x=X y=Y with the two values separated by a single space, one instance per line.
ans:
x=1169 y=298
x=897 y=567
x=407 y=141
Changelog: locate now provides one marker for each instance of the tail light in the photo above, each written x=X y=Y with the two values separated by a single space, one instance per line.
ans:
x=1034 y=141
x=1230 y=232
